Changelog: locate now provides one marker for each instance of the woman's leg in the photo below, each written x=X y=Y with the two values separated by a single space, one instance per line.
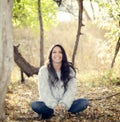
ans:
x=78 y=105
x=40 y=108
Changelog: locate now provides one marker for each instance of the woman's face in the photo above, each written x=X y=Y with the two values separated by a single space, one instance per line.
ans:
x=57 y=55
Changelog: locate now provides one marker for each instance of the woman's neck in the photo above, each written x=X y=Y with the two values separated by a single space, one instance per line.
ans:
x=57 y=66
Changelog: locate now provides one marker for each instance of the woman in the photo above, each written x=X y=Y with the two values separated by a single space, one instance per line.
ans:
x=57 y=86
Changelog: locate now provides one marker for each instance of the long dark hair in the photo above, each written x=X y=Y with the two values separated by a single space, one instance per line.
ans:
x=65 y=68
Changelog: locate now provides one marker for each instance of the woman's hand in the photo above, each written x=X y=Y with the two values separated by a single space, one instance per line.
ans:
x=59 y=109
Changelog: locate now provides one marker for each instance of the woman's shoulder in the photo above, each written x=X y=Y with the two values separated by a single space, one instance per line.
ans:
x=43 y=68
x=43 y=73
x=72 y=71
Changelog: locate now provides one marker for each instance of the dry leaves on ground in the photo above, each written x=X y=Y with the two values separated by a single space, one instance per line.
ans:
x=20 y=96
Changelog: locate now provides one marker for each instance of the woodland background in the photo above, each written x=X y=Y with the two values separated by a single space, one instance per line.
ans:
x=98 y=79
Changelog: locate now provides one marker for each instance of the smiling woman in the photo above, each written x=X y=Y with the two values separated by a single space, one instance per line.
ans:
x=57 y=58
x=57 y=86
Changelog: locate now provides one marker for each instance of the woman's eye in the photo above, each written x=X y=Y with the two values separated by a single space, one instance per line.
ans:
x=54 y=52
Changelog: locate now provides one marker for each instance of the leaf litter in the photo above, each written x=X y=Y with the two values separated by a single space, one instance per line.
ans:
x=104 y=104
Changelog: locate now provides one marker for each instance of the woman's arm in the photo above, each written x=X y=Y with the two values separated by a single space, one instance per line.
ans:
x=69 y=95
x=44 y=88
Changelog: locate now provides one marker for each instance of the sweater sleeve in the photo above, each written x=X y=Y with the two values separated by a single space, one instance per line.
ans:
x=69 y=95
x=44 y=88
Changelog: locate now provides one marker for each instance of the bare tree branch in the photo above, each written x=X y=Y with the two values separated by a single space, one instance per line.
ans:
x=108 y=97
x=80 y=3
x=41 y=34
x=116 y=52
x=24 y=66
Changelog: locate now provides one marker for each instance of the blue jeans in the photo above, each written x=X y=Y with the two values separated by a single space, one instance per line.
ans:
x=46 y=112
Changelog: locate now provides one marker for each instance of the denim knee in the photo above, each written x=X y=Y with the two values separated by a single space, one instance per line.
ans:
x=78 y=105
x=85 y=103
x=34 y=105
x=40 y=108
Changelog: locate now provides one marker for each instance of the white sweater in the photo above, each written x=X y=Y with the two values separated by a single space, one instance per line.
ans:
x=55 y=95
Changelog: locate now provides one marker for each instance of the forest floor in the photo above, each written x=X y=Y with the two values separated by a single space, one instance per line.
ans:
x=104 y=106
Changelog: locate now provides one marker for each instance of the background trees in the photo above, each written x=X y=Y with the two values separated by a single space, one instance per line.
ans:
x=96 y=14
x=110 y=21
x=41 y=14
x=95 y=50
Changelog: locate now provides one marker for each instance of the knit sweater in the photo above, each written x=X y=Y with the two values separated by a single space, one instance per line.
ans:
x=53 y=96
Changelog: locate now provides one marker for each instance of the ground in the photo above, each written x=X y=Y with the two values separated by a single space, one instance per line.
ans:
x=104 y=104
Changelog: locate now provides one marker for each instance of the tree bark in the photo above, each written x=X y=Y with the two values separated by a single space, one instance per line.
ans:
x=116 y=52
x=6 y=50
x=58 y=2
x=80 y=4
x=92 y=9
x=24 y=66
x=41 y=34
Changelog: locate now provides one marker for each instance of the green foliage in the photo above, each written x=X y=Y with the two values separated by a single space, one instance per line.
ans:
x=25 y=13
x=109 y=19
x=110 y=77
x=49 y=12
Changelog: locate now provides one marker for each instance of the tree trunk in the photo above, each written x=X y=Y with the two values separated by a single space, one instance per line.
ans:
x=80 y=4
x=6 y=50
x=24 y=66
x=116 y=52
x=92 y=9
x=41 y=34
